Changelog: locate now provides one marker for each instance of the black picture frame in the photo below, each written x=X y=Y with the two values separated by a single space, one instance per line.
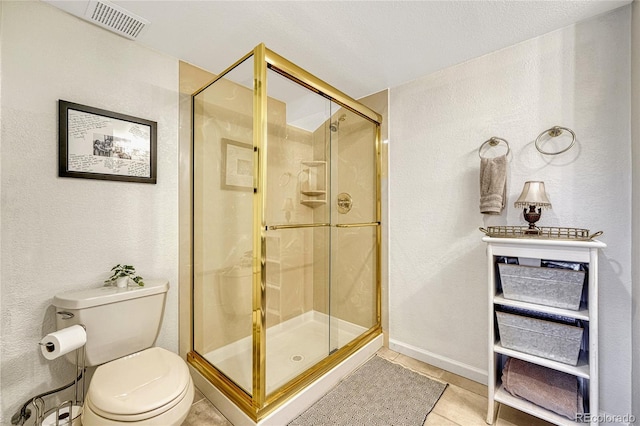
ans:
x=94 y=143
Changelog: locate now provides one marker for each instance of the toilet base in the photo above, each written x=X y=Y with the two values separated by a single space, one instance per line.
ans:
x=172 y=417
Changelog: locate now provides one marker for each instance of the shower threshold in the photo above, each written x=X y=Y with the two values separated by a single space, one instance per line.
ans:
x=292 y=347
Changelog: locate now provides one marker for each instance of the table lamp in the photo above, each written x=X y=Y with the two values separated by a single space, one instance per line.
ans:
x=533 y=196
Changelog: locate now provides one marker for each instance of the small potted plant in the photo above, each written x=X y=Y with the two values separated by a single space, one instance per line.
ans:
x=122 y=275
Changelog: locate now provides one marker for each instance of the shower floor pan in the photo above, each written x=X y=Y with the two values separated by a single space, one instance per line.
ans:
x=292 y=347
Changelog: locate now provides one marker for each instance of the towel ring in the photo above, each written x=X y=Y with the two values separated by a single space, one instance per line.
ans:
x=553 y=132
x=493 y=141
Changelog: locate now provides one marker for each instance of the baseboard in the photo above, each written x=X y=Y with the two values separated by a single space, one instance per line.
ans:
x=451 y=365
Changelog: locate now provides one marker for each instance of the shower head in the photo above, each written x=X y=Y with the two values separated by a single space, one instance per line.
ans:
x=335 y=125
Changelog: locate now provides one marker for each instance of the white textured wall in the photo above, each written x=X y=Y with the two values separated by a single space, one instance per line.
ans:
x=62 y=233
x=576 y=77
x=635 y=134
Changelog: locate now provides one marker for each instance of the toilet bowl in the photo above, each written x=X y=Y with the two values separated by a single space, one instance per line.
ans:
x=152 y=387
x=134 y=383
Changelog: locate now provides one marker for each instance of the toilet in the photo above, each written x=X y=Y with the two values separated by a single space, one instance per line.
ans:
x=134 y=383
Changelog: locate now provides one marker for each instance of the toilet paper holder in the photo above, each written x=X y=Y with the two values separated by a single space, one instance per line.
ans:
x=63 y=413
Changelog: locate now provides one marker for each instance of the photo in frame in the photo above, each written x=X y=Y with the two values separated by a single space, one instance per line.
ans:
x=237 y=166
x=98 y=144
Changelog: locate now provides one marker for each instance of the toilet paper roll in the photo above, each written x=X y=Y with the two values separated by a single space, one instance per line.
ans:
x=63 y=341
x=64 y=419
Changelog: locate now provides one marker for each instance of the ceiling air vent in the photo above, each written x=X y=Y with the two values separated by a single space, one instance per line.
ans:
x=116 y=19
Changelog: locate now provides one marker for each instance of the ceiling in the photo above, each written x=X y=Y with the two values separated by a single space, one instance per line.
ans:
x=359 y=47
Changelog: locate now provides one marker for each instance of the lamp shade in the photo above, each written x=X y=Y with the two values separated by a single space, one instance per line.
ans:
x=533 y=194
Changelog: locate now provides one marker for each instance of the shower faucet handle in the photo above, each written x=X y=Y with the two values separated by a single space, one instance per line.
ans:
x=345 y=202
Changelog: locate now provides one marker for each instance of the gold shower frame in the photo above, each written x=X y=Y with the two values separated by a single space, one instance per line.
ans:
x=258 y=404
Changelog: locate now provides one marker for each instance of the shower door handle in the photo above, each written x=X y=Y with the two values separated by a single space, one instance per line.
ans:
x=356 y=225
x=300 y=225
x=256 y=169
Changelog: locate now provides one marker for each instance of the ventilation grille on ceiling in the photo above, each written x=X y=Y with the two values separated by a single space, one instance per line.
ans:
x=115 y=18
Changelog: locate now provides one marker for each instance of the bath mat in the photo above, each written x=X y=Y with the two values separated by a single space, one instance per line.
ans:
x=378 y=393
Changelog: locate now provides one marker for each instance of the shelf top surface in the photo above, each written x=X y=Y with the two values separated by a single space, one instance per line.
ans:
x=504 y=397
x=582 y=313
x=545 y=242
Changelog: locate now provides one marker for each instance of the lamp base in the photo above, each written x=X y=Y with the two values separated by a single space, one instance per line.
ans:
x=532 y=216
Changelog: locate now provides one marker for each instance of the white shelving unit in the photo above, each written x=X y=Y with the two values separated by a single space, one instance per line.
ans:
x=313 y=190
x=587 y=368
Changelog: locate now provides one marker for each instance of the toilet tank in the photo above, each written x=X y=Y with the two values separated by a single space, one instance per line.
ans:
x=119 y=321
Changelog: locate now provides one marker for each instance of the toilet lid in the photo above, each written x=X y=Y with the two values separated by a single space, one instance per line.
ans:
x=141 y=385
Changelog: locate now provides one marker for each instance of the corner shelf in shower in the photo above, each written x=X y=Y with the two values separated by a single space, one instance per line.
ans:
x=313 y=193
x=313 y=203
x=313 y=183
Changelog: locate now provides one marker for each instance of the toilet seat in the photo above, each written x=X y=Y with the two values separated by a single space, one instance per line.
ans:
x=139 y=386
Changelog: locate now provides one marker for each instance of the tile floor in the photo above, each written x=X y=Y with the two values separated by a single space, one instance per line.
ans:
x=463 y=403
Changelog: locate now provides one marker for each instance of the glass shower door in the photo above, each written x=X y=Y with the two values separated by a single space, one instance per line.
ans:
x=355 y=227
x=320 y=267
x=297 y=236
x=223 y=227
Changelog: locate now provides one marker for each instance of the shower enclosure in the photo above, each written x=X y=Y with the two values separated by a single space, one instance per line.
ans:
x=285 y=230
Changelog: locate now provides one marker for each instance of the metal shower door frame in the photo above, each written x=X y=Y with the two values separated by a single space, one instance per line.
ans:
x=259 y=404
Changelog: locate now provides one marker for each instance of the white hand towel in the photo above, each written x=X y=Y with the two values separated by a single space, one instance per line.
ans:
x=493 y=184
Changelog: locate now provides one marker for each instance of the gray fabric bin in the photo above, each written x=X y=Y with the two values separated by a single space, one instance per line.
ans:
x=560 y=288
x=547 y=339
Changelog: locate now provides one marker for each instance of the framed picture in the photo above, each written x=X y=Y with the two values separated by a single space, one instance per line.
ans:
x=237 y=166
x=98 y=144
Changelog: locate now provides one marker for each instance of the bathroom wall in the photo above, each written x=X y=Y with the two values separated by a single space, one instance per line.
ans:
x=63 y=233
x=635 y=135
x=578 y=77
